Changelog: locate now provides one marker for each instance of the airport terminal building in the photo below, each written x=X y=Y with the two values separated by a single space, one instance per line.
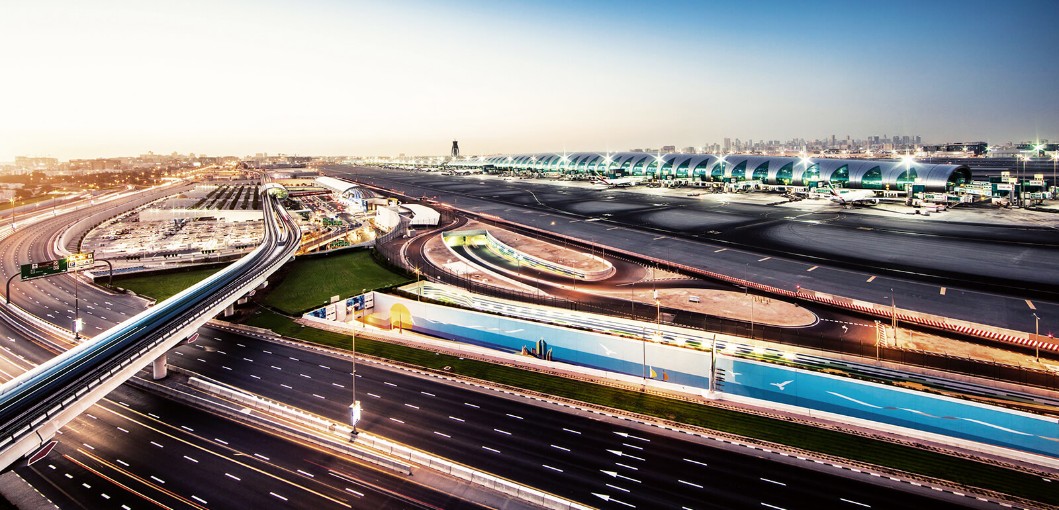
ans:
x=704 y=168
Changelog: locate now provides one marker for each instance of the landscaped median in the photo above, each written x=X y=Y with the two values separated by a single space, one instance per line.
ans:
x=697 y=414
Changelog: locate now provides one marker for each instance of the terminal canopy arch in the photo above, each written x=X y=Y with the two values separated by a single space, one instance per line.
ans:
x=785 y=175
x=761 y=172
x=872 y=179
x=739 y=172
x=811 y=174
x=717 y=174
x=840 y=175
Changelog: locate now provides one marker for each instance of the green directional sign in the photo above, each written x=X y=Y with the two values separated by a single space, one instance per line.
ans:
x=41 y=269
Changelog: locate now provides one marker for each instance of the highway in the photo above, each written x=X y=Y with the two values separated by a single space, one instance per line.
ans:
x=939 y=268
x=52 y=298
x=576 y=454
x=137 y=450
x=58 y=386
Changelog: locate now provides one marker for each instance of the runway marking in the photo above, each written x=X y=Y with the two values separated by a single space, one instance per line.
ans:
x=1030 y=304
x=870 y=279
x=764 y=259
x=811 y=269
x=942 y=291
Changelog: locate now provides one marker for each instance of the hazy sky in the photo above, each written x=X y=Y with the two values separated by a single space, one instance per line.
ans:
x=110 y=77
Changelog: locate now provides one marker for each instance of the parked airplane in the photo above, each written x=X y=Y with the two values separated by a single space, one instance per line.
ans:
x=849 y=197
x=619 y=182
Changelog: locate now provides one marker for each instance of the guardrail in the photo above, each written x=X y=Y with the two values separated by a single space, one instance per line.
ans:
x=393 y=449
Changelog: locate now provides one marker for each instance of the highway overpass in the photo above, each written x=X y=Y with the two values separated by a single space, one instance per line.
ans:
x=38 y=403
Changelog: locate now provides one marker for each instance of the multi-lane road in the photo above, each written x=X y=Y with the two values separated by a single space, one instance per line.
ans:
x=580 y=455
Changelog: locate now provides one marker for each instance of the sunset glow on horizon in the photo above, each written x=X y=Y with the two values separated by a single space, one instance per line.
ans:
x=114 y=77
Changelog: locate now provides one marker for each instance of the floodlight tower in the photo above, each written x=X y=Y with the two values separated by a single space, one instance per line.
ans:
x=455 y=149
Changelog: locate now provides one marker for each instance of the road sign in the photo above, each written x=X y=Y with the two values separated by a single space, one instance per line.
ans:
x=79 y=261
x=42 y=269
x=41 y=453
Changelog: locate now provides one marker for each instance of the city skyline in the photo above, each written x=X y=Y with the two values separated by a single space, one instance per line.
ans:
x=332 y=78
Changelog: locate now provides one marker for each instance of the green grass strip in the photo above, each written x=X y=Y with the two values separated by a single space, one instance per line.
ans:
x=310 y=281
x=161 y=287
x=793 y=434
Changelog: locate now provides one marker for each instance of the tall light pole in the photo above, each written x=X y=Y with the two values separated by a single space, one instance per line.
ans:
x=1055 y=159
x=354 y=408
x=1036 y=335
x=893 y=315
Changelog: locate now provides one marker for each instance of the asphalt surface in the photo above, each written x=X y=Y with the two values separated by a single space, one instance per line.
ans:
x=577 y=455
x=991 y=274
x=137 y=450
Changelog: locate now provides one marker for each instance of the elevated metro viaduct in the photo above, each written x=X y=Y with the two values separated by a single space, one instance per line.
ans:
x=771 y=170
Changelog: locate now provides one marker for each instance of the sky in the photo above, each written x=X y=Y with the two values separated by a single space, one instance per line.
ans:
x=347 y=77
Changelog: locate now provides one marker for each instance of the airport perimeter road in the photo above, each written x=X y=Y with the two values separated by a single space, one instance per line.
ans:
x=991 y=274
x=578 y=455
x=136 y=450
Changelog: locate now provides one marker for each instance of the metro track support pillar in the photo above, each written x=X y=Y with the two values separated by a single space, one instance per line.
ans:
x=158 y=367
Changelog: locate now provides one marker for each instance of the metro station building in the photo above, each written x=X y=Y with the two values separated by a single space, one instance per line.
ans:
x=704 y=168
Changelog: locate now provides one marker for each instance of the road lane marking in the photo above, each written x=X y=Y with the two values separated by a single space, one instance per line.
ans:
x=855 y=502
x=514 y=416
x=494 y=450
x=571 y=431
x=773 y=481
x=870 y=279
x=552 y=468
x=396 y=420
x=764 y=259
x=233 y=477
x=412 y=406
x=560 y=448
x=689 y=483
x=697 y=462
x=471 y=405
x=443 y=434
x=942 y=291
x=719 y=251
x=811 y=269
x=1030 y=304
x=503 y=431
x=461 y=420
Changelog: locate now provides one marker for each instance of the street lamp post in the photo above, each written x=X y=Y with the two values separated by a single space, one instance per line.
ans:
x=893 y=315
x=1055 y=159
x=1036 y=335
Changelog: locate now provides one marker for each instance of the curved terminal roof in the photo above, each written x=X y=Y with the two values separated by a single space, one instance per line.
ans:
x=342 y=188
x=774 y=170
